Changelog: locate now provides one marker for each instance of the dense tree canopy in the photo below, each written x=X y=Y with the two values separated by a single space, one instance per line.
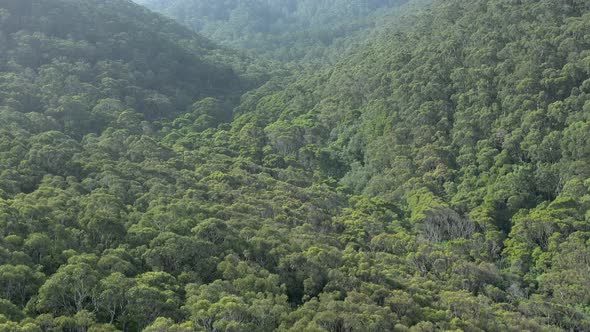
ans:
x=436 y=179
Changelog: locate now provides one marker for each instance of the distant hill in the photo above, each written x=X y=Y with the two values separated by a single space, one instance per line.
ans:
x=307 y=31
x=58 y=55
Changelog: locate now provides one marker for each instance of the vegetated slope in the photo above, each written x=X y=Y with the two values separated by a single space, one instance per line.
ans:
x=398 y=191
x=309 y=31
x=60 y=58
x=476 y=119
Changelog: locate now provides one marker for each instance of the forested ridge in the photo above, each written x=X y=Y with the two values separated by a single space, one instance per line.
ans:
x=437 y=179
x=311 y=33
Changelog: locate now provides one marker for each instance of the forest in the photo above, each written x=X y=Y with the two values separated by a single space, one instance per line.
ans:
x=414 y=166
x=310 y=33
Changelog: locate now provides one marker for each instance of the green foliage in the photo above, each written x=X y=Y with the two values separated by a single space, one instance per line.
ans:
x=310 y=32
x=436 y=179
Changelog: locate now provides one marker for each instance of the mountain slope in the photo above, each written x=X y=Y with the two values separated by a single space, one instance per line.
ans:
x=474 y=120
x=309 y=32
x=458 y=83
x=79 y=52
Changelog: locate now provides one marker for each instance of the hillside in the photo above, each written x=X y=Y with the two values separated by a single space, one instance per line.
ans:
x=309 y=32
x=435 y=180
x=474 y=123
x=62 y=54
